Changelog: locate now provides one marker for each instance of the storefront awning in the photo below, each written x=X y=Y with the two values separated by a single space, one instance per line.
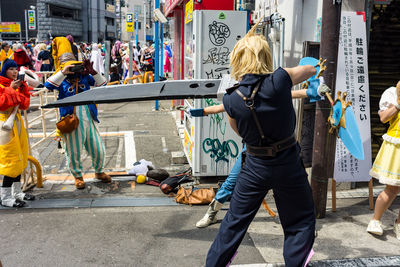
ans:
x=170 y=5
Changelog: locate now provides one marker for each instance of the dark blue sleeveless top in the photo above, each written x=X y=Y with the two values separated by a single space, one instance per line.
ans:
x=273 y=105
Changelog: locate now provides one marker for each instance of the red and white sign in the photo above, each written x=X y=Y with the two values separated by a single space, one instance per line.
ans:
x=170 y=5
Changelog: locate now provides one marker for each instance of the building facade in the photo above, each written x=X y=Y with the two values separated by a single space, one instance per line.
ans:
x=13 y=11
x=59 y=18
x=88 y=20
x=99 y=20
x=140 y=10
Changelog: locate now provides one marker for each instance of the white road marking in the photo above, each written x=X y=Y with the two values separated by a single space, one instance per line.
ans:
x=130 y=150
x=119 y=153
x=40 y=134
x=164 y=145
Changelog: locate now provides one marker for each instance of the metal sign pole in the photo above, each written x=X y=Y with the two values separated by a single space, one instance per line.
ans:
x=144 y=22
x=162 y=50
x=107 y=45
x=137 y=28
x=1 y=37
x=26 y=25
x=130 y=74
x=157 y=49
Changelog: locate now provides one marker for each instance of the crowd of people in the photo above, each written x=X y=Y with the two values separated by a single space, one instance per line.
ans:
x=37 y=56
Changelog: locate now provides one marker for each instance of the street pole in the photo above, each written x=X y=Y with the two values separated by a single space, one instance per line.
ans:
x=323 y=158
x=1 y=37
x=26 y=25
x=157 y=49
x=120 y=22
x=130 y=70
x=144 y=21
x=137 y=28
x=107 y=47
x=162 y=50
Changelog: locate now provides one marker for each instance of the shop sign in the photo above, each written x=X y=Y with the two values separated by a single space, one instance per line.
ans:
x=352 y=78
x=12 y=27
x=31 y=20
x=189 y=12
x=129 y=22
x=382 y=2
x=110 y=8
x=170 y=5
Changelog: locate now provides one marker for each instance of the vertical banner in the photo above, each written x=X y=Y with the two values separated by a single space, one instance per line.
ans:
x=189 y=12
x=129 y=22
x=352 y=77
x=31 y=20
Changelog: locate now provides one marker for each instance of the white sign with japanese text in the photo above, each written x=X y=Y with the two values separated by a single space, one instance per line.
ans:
x=352 y=77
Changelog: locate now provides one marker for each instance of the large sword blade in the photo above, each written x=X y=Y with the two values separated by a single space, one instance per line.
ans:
x=142 y=92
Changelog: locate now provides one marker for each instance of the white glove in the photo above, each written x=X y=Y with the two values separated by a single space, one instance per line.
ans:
x=323 y=88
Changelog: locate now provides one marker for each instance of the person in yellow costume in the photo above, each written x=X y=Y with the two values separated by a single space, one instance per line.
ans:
x=14 y=95
x=386 y=167
x=5 y=53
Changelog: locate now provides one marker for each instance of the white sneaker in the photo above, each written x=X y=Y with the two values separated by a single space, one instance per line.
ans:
x=396 y=230
x=375 y=227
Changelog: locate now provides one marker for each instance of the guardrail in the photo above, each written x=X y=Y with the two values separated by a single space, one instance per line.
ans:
x=147 y=77
x=44 y=95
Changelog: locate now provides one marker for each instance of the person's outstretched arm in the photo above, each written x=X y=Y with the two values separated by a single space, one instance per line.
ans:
x=300 y=73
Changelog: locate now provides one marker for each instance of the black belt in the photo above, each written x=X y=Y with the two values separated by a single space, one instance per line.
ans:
x=272 y=149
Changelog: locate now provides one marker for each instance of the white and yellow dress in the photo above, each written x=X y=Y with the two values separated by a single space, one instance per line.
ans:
x=386 y=167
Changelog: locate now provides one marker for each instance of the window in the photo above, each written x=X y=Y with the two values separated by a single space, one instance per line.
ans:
x=62 y=12
x=109 y=21
x=139 y=25
x=137 y=9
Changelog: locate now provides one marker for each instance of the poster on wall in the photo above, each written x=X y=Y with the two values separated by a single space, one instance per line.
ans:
x=189 y=12
x=352 y=77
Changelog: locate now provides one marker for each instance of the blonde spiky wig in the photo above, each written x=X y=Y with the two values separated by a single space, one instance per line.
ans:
x=251 y=54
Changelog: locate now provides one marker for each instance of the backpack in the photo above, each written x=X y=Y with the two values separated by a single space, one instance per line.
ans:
x=171 y=183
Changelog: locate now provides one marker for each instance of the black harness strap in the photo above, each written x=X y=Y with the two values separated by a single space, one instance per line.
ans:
x=249 y=102
x=273 y=147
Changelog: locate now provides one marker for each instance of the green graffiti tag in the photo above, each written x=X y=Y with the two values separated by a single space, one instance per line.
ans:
x=216 y=119
x=220 y=151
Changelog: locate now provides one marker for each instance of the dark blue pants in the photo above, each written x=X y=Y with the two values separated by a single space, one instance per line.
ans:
x=294 y=202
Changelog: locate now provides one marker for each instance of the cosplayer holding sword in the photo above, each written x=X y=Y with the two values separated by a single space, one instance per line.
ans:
x=260 y=110
x=226 y=190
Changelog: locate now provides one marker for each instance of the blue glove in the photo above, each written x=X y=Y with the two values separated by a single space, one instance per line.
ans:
x=312 y=91
x=196 y=112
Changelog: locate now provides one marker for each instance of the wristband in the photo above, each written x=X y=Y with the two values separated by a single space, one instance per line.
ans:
x=397 y=106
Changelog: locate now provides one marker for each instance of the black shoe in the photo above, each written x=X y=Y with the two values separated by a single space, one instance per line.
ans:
x=29 y=197
x=19 y=203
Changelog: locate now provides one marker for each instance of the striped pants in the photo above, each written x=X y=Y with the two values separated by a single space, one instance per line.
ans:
x=86 y=136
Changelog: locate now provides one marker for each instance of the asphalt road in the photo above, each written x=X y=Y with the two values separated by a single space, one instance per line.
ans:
x=150 y=236
x=162 y=235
